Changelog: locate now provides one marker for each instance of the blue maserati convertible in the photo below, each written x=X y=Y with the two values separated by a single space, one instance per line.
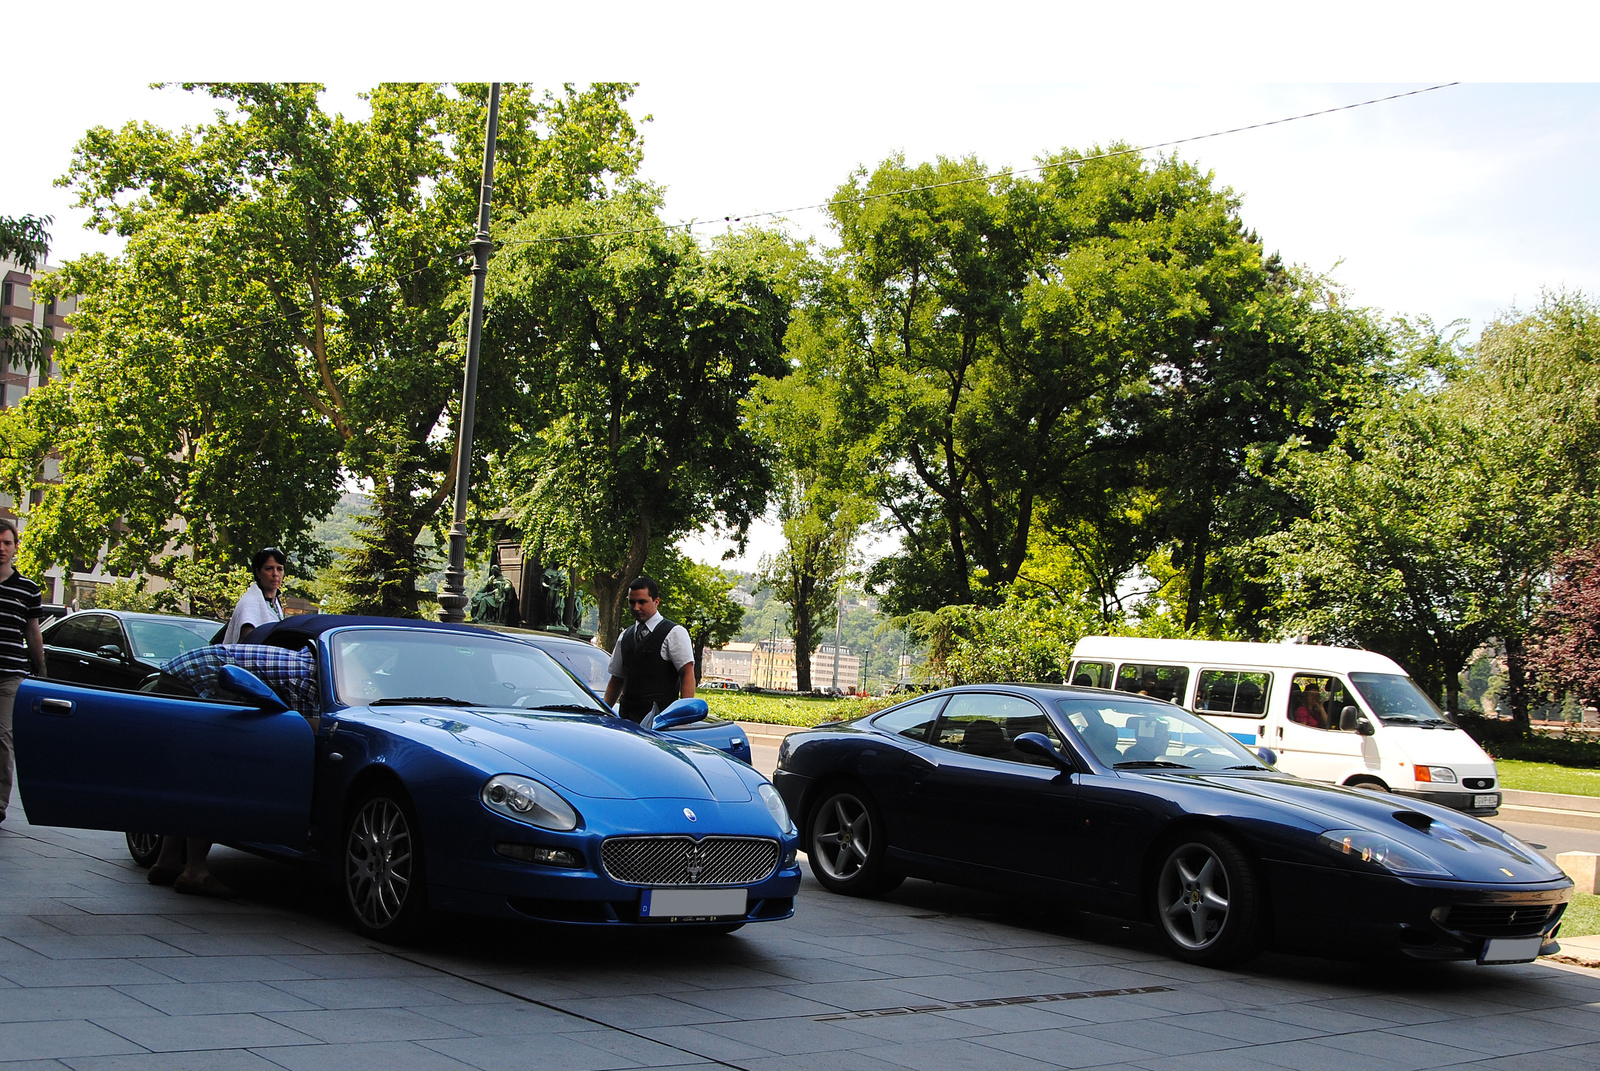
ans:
x=1124 y=805
x=448 y=767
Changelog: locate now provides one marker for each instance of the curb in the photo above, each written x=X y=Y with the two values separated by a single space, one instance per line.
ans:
x=1550 y=809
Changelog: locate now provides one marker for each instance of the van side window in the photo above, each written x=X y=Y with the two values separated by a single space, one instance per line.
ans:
x=1317 y=699
x=1092 y=674
x=1232 y=691
x=1166 y=683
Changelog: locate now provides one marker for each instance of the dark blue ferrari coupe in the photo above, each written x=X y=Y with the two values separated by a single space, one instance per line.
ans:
x=1124 y=805
x=448 y=767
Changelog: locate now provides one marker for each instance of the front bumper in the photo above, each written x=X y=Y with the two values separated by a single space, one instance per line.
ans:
x=1335 y=912
x=1483 y=804
x=470 y=875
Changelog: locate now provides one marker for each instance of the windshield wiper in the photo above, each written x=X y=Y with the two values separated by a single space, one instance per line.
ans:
x=1145 y=764
x=1247 y=767
x=569 y=708
x=422 y=700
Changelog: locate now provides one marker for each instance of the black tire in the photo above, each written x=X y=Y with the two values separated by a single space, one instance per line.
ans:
x=381 y=867
x=144 y=847
x=1207 y=901
x=1370 y=786
x=846 y=843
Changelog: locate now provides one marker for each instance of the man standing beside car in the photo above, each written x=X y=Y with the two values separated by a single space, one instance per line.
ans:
x=21 y=648
x=653 y=662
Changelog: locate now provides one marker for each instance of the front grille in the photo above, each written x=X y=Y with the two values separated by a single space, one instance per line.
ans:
x=686 y=861
x=1496 y=920
x=1477 y=783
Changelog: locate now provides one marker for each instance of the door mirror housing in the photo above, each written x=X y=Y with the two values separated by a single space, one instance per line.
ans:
x=243 y=684
x=1038 y=744
x=111 y=651
x=1365 y=726
x=682 y=712
x=1267 y=755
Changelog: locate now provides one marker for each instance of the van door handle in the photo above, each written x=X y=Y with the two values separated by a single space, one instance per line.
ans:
x=59 y=707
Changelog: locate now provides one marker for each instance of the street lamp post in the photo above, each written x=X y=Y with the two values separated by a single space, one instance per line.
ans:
x=453 y=600
x=772 y=657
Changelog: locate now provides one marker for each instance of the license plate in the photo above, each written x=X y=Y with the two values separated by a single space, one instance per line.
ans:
x=692 y=905
x=1511 y=950
x=1485 y=802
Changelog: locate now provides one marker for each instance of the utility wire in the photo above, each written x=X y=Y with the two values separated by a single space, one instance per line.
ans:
x=864 y=198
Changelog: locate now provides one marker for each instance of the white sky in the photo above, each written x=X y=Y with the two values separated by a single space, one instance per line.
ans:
x=1455 y=204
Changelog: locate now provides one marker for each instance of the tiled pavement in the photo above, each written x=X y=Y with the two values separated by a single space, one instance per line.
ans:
x=101 y=972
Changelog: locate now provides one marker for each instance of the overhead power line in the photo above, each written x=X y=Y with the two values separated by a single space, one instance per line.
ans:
x=972 y=179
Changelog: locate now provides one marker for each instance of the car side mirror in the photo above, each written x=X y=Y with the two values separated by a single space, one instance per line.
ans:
x=1038 y=745
x=1348 y=718
x=1267 y=755
x=111 y=651
x=1364 y=726
x=682 y=712
x=243 y=684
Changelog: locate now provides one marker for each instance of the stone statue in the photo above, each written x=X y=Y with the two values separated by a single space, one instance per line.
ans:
x=496 y=602
x=555 y=596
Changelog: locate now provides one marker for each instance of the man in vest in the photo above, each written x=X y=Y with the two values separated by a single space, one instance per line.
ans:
x=653 y=662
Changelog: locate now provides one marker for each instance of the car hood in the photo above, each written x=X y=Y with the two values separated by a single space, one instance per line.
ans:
x=1470 y=850
x=1438 y=747
x=595 y=757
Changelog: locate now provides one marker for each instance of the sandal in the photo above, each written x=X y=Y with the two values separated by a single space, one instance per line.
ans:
x=164 y=875
x=206 y=886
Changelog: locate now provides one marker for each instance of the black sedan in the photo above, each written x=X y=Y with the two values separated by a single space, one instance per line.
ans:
x=118 y=648
x=1124 y=805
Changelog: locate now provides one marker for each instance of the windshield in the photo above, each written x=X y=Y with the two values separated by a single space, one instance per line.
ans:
x=161 y=640
x=1396 y=699
x=377 y=666
x=1133 y=734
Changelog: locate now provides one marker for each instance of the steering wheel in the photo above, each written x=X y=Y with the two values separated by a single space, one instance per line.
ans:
x=1197 y=753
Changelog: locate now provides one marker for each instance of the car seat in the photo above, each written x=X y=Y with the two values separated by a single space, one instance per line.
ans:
x=984 y=737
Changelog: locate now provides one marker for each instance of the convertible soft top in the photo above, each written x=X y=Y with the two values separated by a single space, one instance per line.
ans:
x=297 y=631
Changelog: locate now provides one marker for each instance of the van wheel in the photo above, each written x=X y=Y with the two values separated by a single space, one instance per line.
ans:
x=1369 y=785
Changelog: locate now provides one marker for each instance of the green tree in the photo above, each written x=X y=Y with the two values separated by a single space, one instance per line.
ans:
x=306 y=271
x=630 y=349
x=25 y=241
x=820 y=507
x=992 y=340
x=1565 y=651
x=1434 y=524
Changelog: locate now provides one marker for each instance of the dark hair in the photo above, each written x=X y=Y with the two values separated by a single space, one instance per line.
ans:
x=7 y=525
x=649 y=585
x=259 y=558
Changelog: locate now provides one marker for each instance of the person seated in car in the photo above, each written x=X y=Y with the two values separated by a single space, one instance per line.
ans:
x=184 y=861
x=1309 y=710
x=1150 y=740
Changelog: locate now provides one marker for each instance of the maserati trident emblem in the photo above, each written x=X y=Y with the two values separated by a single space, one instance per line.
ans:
x=687 y=813
x=694 y=863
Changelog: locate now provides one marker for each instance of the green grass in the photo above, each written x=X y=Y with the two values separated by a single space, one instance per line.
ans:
x=786 y=710
x=1583 y=916
x=1547 y=777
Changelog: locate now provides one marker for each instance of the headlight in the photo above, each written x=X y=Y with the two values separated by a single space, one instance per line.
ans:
x=774 y=802
x=1369 y=847
x=529 y=802
x=1438 y=775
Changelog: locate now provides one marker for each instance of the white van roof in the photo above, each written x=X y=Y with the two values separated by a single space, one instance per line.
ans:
x=1239 y=655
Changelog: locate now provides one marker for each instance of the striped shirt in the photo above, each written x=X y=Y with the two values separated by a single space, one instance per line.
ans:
x=20 y=602
x=292 y=674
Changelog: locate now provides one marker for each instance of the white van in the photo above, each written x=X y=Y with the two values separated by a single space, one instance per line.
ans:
x=1331 y=714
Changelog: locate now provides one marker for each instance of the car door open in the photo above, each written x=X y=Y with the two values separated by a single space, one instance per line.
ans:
x=94 y=758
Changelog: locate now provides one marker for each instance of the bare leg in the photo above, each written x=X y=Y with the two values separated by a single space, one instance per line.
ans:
x=196 y=867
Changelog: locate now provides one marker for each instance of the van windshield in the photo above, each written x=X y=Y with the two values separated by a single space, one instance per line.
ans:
x=1397 y=700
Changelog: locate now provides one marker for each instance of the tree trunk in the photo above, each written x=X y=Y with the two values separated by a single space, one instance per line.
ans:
x=611 y=588
x=1517 y=681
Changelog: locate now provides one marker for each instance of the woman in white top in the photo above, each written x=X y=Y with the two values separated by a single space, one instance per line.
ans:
x=261 y=601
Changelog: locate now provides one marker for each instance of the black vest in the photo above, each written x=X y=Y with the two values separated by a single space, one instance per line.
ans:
x=648 y=679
